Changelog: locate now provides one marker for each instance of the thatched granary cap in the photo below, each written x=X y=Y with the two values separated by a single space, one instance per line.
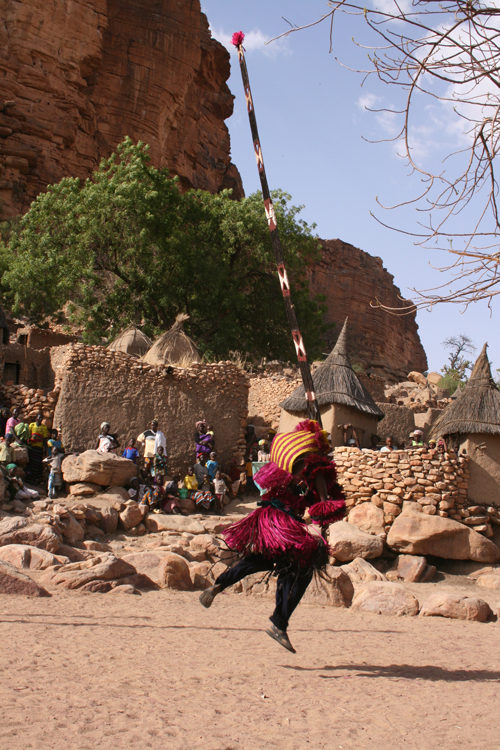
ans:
x=131 y=341
x=477 y=407
x=174 y=347
x=4 y=328
x=335 y=382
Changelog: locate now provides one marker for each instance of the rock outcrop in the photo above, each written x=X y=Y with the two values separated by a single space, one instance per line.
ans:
x=350 y=279
x=79 y=75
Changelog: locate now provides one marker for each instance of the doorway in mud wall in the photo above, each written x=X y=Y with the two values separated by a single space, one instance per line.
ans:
x=11 y=372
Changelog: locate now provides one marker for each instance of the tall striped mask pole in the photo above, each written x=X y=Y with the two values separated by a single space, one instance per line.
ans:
x=305 y=370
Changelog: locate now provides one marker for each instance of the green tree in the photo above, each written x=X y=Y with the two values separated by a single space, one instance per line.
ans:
x=455 y=373
x=128 y=246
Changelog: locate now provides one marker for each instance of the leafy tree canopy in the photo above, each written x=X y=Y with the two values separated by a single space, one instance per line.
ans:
x=127 y=246
x=456 y=372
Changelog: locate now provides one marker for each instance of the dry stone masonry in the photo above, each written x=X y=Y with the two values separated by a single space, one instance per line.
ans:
x=377 y=484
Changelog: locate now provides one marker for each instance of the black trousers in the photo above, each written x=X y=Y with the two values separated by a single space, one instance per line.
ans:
x=290 y=588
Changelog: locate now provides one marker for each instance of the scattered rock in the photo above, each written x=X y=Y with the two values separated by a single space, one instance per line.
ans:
x=125 y=589
x=17 y=530
x=359 y=570
x=73 y=554
x=164 y=522
x=24 y=556
x=131 y=516
x=12 y=581
x=368 y=518
x=457 y=607
x=104 y=567
x=145 y=562
x=334 y=589
x=410 y=569
x=384 y=599
x=173 y=573
x=199 y=575
x=71 y=529
x=489 y=581
x=105 y=469
x=416 y=533
x=84 y=489
x=348 y=542
x=89 y=544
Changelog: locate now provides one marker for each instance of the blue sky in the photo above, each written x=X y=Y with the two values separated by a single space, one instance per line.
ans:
x=313 y=121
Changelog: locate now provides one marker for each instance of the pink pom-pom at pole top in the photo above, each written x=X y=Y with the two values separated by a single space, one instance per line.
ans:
x=237 y=38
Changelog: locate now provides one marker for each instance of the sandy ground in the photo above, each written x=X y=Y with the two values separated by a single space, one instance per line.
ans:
x=158 y=671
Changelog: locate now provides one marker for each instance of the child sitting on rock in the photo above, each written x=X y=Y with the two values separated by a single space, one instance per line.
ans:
x=190 y=481
x=16 y=487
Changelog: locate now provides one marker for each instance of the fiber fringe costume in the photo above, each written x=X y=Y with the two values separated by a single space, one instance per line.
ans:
x=275 y=537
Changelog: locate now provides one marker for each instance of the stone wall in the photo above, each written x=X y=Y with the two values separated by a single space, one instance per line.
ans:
x=99 y=385
x=34 y=366
x=351 y=279
x=42 y=338
x=376 y=485
x=30 y=402
x=79 y=75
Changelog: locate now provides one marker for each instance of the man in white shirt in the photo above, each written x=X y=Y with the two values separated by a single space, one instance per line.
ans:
x=150 y=440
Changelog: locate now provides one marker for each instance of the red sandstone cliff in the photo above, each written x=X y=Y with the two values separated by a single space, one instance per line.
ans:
x=351 y=279
x=76 y=76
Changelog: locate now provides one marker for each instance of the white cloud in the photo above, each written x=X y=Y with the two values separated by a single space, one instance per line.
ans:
x=368 y=101
x=255 y=41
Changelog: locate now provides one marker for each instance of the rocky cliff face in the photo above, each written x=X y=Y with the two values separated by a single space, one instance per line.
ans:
x=384 y=344
x=76 y=76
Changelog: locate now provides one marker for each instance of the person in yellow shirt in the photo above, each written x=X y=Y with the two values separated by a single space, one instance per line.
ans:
x=37 y=443
x=190 y=481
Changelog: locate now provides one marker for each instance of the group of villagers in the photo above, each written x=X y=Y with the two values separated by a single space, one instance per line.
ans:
x=45 y=451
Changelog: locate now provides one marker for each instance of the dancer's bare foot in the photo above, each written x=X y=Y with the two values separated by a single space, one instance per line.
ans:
x=280 y=636
x=207 y=596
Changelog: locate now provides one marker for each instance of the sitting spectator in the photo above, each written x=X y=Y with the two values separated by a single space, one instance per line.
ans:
x=374 y=440
x=200 y=470
x=16 y=487
x=212 y=465
x=131 y=451
x=137 y=490
x=203 y=497
x=220 y=491
x=7 y=451
x=54 y=442
x=263 y=455
x=250 y=439
x=190 y=480
x=388 y=447
x=171 y=501
x=441 y=446
x=152 y=499
x=106 y=442
x=55 y=474
x=159 y=467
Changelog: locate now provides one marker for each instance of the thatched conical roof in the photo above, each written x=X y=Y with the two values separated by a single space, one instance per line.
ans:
x=174 y=347
x=335 y=382
x=476 y=408
x=131 y=341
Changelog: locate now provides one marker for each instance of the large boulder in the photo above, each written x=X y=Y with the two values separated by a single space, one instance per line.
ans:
x=332 y=588
x=368 y=517
x=84 y=489
x=17 y=530
x=361 y=571
x=164 y=522
x=384 y=599
x=146 y=562
x=100 y=512
x=71 y=529
x=417 y=533
x=24 y=556
x=12 y=581
x=174 y=573
x=104 y=469
x=457 y=607
x=131 y=515
x=410 y=569
x=105 y=567
x=348 y=542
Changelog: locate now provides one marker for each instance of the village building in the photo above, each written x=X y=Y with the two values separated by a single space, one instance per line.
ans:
x=471 y=426
x=131 y=341
x=342 y=398
x=174 y=347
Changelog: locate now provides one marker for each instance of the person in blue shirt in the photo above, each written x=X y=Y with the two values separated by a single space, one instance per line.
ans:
x=54 y=442
x=131 y=451
x=212 y=465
